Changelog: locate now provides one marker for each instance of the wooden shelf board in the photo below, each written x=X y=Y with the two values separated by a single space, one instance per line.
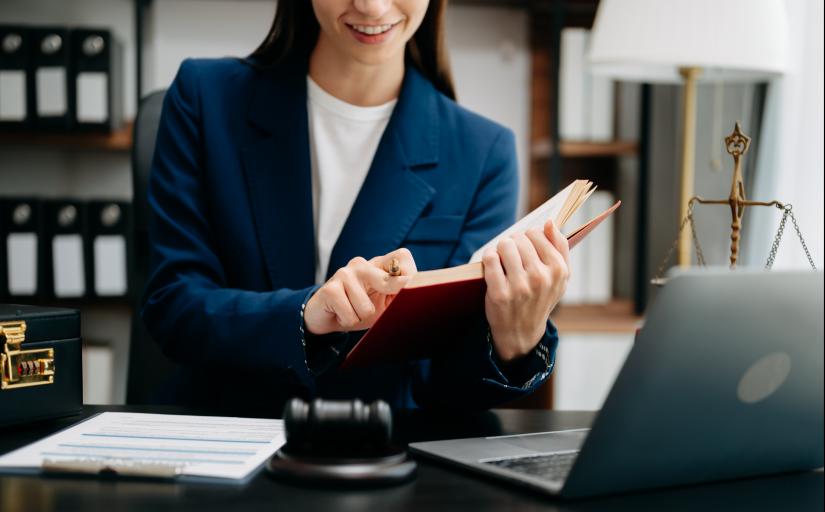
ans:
x=617 y=316
x=117 y=141
x=75 y=303
x=585 y=149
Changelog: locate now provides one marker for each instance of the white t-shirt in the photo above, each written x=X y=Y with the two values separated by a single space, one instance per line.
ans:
x=343 y=139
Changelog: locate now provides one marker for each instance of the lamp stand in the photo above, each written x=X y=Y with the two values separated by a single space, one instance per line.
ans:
x=690 y=75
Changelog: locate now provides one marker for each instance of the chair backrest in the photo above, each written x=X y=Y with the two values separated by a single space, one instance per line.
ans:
x=148 y=367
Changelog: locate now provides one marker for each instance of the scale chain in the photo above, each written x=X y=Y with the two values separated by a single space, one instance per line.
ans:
x=700 y=256
x=787 y=212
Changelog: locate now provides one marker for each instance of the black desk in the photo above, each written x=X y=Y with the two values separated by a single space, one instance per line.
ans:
x=436 y=487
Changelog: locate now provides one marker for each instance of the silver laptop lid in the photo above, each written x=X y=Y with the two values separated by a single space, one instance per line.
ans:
x=725 y=380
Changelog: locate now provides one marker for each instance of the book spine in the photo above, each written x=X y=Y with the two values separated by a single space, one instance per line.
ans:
x=600 y=111
x=572 y=84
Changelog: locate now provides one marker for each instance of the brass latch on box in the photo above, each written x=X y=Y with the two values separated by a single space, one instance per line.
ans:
x=23 y=368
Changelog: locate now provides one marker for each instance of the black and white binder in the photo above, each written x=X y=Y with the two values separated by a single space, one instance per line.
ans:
x=49 y=81
x=22 y=232
x=66 y=227
x=15 y=102
x=97 y=77
x=109 y=223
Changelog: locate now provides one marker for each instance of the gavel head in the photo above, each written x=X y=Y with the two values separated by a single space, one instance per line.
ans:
x=335 y=426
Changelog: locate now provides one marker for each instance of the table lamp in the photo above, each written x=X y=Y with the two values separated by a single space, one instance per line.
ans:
x=684 y=41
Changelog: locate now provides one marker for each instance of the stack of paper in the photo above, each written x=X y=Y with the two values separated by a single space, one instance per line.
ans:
x=190 y=448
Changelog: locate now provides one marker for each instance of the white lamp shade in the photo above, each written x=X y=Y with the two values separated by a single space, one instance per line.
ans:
x=649 y=40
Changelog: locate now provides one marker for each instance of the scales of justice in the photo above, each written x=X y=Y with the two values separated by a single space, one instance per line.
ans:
x=736 y=144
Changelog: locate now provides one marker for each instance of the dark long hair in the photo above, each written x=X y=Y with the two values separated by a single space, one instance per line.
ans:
x=295 y=30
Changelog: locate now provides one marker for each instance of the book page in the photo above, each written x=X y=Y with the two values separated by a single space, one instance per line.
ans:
x=535 y=219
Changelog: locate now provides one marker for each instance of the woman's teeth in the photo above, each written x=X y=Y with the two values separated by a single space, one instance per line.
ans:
x=372 y=30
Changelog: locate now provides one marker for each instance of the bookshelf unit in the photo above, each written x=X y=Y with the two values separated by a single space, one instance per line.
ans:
x=555 y=162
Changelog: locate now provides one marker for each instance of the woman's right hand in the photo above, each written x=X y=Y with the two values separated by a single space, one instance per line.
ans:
x=357 y=294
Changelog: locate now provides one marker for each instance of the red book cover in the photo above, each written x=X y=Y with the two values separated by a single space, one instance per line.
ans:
x=422 y=320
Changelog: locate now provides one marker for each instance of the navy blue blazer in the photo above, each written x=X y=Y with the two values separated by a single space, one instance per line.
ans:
x=232 y=241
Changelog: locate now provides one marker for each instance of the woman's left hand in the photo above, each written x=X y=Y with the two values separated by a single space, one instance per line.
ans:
x=526 y=276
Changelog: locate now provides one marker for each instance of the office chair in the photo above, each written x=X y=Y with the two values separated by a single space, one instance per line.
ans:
x=148 y=366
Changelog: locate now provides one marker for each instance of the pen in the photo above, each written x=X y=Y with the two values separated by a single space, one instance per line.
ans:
x=395 y=267
x=111 y=468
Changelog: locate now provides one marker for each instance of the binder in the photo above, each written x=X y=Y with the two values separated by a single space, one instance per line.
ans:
x=15 y=66
x=98 y=80
x=109 y=245
x=49 y=81
x=66 y=228
x=22 y=247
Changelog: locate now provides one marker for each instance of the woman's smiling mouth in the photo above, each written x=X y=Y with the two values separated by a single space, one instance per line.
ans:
x=372 y=33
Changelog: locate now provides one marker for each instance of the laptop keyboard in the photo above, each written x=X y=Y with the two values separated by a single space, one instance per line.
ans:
x=553 y=467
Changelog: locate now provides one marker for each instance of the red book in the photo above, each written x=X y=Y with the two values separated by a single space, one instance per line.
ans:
x=436 y=306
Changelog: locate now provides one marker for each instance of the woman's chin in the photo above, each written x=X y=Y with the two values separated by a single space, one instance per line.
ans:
x=375 y=56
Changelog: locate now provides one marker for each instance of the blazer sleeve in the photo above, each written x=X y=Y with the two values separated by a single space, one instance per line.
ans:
x=472 y=376
x=187 y=306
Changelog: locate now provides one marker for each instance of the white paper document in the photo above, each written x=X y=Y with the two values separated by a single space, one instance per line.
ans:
x=207 y=448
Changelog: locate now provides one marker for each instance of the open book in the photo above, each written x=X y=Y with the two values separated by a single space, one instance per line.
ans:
x=437 y=306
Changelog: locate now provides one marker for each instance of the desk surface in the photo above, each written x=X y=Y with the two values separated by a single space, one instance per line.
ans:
x=436 y=486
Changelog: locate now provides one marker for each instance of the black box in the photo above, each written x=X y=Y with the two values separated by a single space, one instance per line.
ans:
x=40 y=363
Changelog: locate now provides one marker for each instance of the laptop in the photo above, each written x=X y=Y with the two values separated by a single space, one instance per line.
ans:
x=725 y=380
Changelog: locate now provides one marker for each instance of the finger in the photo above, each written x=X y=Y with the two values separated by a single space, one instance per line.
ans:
x=494 y=273
x=542 y=245
x=529 y=257
x=339 y=304
x=357 y=295
x=511 y=261
x=558 y=240
x=559 y=267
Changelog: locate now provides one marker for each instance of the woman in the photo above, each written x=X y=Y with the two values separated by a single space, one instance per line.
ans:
x=284 y=184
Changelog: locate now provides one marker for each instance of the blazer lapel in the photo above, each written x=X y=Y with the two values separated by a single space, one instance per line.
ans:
x=278 y=174
x=393 y=196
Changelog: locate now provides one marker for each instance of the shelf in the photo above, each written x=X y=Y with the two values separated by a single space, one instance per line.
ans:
x=615 y=317
x=585 y=149
x=119 y=141
x=74 y=303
